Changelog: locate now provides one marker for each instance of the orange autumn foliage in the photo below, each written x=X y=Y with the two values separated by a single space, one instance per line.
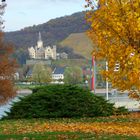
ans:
x=7 y=70
x=109 y=125
x=115 y=28
x=7 y=65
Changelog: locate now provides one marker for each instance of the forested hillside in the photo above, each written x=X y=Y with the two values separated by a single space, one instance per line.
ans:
x=52 y=31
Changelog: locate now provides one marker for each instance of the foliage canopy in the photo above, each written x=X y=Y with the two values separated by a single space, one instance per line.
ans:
x=41 y=73
x=115 y=28
x=7 y=65
x=73 y=75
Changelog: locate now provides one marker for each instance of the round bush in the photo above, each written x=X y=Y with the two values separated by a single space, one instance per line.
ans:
x=55 y=101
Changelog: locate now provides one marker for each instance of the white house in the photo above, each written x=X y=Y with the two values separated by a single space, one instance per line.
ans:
x=58 y=75
x=16 y=76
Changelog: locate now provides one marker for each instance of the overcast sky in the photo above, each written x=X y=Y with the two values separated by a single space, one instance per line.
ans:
x=23 y=13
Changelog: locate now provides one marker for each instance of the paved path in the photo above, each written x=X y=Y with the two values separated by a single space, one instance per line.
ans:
x=24 y=92
x=120 y=99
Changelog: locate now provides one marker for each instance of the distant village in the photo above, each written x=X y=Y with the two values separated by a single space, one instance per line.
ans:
x=45 y=55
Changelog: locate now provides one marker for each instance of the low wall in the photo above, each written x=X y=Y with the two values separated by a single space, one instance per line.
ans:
x=33 y=62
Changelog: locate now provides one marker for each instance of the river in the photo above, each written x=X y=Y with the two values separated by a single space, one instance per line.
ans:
x=6 y=107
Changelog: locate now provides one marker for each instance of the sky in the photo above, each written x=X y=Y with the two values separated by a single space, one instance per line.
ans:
x=24 y=13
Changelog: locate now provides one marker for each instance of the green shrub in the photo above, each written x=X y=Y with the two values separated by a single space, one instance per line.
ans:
x=120 y=111
x=56 y=101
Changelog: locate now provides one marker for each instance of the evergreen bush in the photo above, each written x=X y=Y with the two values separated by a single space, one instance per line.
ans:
x=60 y=101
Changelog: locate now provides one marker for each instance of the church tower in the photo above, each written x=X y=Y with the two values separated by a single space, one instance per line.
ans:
x=39 y=42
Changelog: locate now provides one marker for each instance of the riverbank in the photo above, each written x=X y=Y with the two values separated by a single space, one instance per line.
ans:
x=6 y=107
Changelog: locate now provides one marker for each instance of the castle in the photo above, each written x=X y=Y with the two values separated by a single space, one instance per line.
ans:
x=41 y=52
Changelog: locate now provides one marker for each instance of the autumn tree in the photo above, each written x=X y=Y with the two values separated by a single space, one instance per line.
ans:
x=73 y=75
x=7 y=65
x=115 y=28
x=41 y=73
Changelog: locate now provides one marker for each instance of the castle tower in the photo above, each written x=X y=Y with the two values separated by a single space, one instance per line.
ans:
x=40 y=38
x=39 y=42
x=54 y=52
x=32 y=53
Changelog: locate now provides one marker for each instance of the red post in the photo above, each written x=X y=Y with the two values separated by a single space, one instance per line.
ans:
x=92 y=83
x=93 y=74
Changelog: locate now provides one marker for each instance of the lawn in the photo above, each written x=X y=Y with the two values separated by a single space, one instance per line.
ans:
x=67 y=136
x=24 y=86
x=115 y=127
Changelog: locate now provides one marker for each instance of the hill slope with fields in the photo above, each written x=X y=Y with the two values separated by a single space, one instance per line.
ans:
x=80 y=43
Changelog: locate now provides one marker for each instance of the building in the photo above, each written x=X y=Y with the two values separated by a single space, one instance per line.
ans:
x=58 y=75
x=62 y=55
x=16 y=76
x=29 y=73
x=41 y=52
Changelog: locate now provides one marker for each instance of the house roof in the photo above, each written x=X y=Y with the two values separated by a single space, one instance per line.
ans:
x=58 y=70
x=29 y=73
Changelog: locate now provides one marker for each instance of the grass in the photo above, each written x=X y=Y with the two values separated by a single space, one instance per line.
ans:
x=109 y=128
x=24 y=86
x=50 y=136
x=67 y=136
x=71 y=62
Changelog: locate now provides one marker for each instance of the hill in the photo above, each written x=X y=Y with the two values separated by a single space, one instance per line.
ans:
x=52 y=31
x=80 y=44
